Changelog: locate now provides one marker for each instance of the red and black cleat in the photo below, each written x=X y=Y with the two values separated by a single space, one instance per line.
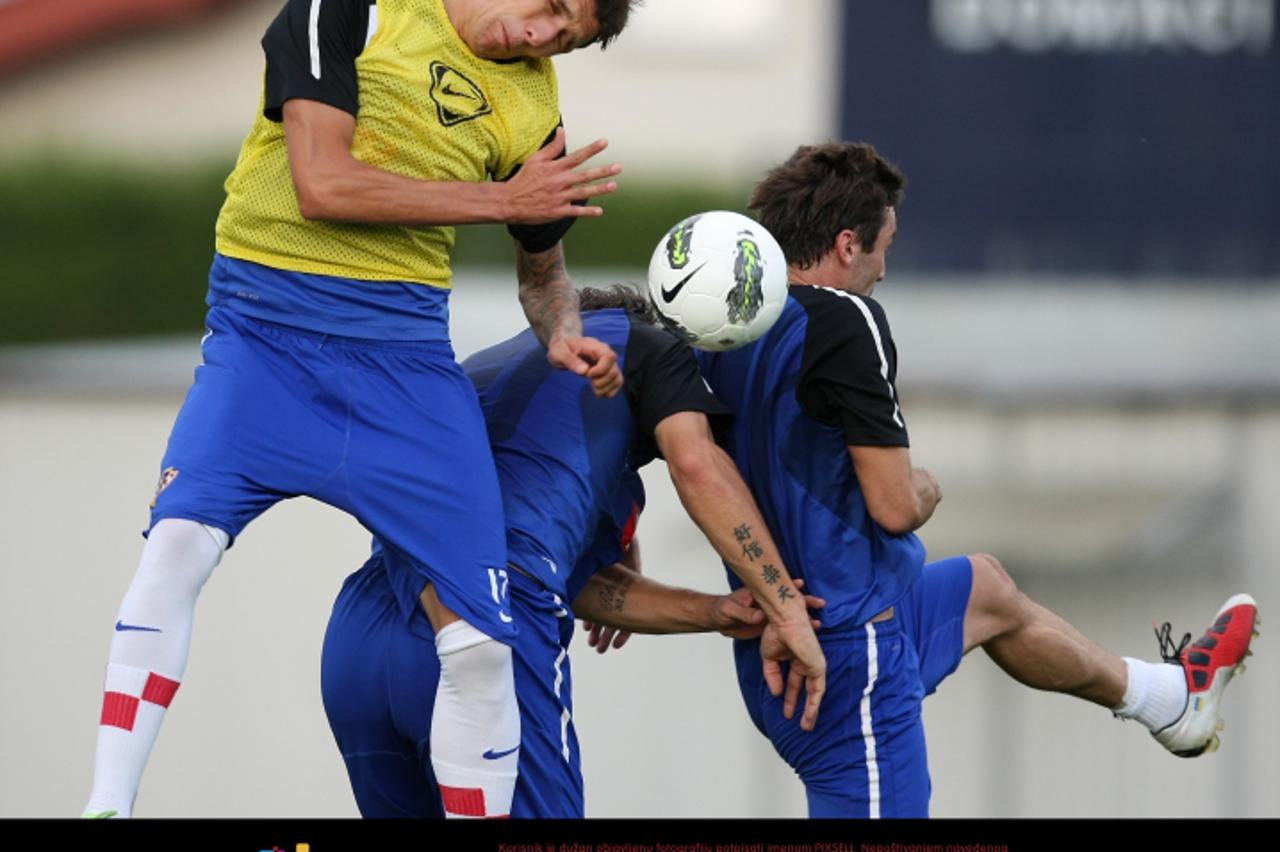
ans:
x=1209 y=664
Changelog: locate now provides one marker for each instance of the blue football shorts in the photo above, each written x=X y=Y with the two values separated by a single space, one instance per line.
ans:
x=378 y=678
x=388 y=431
x=866 y=757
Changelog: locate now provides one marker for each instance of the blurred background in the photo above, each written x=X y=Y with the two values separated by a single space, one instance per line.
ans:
x=1085 y=294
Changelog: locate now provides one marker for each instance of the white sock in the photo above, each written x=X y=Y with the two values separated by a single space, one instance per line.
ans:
x=475 y=727
x=149 y=655
x=1156 y=694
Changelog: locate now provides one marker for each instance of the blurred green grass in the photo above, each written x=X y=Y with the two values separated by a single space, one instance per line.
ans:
x=100 y=250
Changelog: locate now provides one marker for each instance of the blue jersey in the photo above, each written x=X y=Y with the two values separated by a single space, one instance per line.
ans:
x=567 y=463
x=567 y=459
x=820 y=381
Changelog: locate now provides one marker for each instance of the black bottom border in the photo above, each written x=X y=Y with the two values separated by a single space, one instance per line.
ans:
x=624 y=835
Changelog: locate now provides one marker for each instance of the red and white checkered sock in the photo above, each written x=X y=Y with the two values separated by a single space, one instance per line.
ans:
x=475 y=726
x=149 y=651
x=133 y=703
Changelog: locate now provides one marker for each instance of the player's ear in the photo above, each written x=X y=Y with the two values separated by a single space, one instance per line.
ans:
x=847 y=246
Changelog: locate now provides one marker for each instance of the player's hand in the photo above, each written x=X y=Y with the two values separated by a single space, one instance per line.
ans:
x=590 y=358
x=795 y=642
x=929 y=482
x=738 y=616
x=547 y=185
x=602 y=637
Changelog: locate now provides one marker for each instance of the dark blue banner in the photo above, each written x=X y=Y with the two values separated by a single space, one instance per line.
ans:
x=1108 y=136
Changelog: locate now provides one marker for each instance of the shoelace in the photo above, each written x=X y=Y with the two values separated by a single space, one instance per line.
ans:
x=1169 y=652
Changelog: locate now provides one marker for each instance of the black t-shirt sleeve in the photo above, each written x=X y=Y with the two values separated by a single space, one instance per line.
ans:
x=539 y=238
x=849 y=368
x=315 y=59
x=661 y=378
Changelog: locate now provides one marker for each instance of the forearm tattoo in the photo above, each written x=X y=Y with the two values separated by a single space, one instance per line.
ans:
x=613 y=597
x=546 y=294
x=752 y=549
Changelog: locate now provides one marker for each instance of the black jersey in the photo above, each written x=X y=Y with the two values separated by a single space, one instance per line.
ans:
x=567 y=459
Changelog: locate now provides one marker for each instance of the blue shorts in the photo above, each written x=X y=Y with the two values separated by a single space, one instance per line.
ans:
x=866 y=757
x=378 y=679
x=389 y=431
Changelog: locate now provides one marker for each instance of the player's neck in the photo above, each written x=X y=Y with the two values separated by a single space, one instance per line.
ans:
x=827 y=272
x=458 y=12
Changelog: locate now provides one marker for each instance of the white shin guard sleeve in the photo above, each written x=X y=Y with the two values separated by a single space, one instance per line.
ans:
x=475 y=727
x=153 y=630
x=149 y=650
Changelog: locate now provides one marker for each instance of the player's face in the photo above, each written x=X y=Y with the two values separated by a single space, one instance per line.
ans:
x=505 y=29
x=868 y=267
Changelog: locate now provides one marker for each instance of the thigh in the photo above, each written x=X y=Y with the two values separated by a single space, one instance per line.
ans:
x=421 y=477
x=380 y=672
x=866 y=757
x=932 y=616
x=746 y=657
x=255 y=427
x=377 y=681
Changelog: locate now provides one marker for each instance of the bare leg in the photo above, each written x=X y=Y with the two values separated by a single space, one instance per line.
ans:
x=1033 y=645
x=1040 y=650
x=438 y=614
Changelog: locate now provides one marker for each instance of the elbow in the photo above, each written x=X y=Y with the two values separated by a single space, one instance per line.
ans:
x=313 y=204
x=896 y=520
x=318 y=189
x=310 y=210
x=692 y=465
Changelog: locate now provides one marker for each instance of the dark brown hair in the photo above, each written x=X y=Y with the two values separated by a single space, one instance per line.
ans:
x=624 y=296
x=822 y=190
x=612 y=16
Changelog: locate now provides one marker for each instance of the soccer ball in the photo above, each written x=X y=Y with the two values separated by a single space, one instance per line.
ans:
x=718 y=280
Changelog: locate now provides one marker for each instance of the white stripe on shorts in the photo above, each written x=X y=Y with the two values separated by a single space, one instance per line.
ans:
x=564 y=711
x=868 y=735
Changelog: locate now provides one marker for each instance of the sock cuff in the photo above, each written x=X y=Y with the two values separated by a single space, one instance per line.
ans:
x=1135 y=688
x=1156 y=694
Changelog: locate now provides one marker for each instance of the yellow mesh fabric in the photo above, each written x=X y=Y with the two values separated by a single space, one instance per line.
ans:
x=429 y=109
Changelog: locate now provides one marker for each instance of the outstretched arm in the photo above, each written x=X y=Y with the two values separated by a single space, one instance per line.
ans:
x=720 y=504
x=604 y=635
x=622 y=598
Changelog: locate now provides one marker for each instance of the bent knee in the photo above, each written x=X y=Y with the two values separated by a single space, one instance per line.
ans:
x=490 y=656
x=995 y=602
x=467 y=655
x=181 y=538
x=179 y=555
x=992 y=584
x=988 y=570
